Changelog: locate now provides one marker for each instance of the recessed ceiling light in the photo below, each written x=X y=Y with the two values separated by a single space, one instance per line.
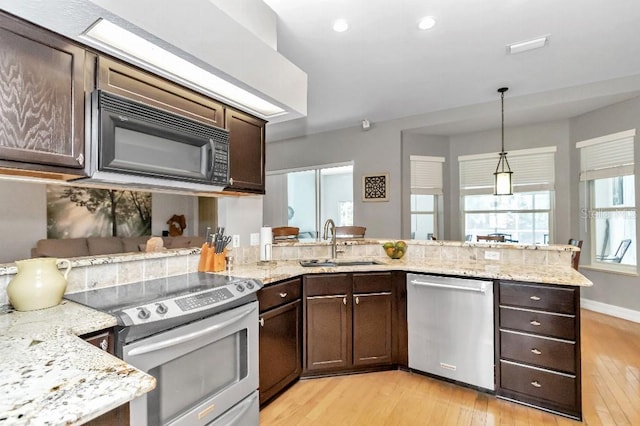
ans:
x=523 y=46
x=427 y=23
x=340 y=25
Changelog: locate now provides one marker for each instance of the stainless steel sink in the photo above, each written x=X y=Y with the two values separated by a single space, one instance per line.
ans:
x=334 y=263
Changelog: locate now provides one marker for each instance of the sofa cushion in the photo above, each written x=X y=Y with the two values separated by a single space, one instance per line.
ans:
x=63 y=247
x=104 y=245
x=134 y=244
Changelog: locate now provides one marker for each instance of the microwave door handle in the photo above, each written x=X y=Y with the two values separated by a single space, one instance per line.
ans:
x=210 y=159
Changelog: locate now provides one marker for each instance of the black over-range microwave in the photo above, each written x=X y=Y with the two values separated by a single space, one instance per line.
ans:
x=135 y=143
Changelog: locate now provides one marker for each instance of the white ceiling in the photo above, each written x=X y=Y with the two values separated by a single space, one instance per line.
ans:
x=384 y=68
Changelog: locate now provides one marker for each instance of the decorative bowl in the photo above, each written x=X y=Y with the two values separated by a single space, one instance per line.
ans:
x=395 y=250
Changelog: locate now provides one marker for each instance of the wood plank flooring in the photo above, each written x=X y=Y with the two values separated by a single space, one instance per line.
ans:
x=610 y=392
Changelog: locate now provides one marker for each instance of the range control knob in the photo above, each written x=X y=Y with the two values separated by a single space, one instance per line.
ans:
x=143 y=313
x=161 y=308
x=240 y=288
x=250 y=285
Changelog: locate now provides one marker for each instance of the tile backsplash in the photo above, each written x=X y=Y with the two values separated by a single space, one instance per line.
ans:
x=106 y=271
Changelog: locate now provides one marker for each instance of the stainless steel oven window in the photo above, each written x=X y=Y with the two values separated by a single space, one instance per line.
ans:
x=202 y=369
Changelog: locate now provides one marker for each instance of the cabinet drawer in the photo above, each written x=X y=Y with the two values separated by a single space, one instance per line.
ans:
x=545 y=385
x=538 y=322
x=279 y=294
x=372 y=282
x=327 y=284
x=548 y=298
x=555 y=354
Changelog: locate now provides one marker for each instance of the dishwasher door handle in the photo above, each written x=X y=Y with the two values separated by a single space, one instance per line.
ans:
x=481 y=289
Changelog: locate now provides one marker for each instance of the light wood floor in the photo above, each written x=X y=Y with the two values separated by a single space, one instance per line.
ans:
x=610 y=392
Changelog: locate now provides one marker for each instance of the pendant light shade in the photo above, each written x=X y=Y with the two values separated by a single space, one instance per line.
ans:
x=502 y=184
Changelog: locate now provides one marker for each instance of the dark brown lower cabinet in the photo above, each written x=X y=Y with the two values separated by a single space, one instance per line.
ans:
x=280 y=348
x=280 y=336
x=538 y=346
x=349 y=322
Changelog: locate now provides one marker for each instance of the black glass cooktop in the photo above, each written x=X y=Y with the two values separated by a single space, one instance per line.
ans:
x=112 y=299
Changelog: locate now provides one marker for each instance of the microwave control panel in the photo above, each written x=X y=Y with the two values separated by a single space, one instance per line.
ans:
x=221 y=163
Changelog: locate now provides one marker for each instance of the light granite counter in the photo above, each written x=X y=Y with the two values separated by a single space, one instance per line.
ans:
x=547 y=274
x=48 y=376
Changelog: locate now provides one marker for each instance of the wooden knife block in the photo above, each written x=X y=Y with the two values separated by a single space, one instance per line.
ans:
x=210 y=261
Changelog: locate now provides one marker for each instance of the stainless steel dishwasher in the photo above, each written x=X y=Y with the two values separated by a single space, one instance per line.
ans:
x=450 y=324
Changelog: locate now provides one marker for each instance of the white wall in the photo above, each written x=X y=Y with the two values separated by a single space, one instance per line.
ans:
x=240 y=216
x=23 y=219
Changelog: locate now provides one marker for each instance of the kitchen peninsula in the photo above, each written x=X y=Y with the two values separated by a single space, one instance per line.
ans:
x=31 y=335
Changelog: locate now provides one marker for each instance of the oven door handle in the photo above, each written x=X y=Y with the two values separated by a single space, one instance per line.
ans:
x=188 y=337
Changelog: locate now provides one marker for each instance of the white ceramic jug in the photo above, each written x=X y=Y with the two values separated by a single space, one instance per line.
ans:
x=38 y=283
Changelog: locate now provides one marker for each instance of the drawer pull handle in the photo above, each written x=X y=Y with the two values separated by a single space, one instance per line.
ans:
x=536 y=351
x=261 y=321
x=534 y=322
x=536 y=298
x=283 y=295
x=535 y=384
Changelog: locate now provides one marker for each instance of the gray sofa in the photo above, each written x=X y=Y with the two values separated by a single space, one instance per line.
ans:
x=96 y=246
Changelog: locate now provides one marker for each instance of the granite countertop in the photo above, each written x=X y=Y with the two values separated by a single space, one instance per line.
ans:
x=269 y=272
x=49 y=376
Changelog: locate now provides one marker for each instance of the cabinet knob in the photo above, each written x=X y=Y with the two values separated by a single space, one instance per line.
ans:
x=534 y=322
x=261 y=322
x=357 y=300
x=536 y=384
x=536 y=298
x=283 y=295
x=231 y=181
x=536 y=351
x=80 y=159
x=344 y=300
x=104 y=344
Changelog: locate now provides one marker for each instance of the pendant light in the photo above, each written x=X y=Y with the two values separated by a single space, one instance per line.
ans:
x=502 y=177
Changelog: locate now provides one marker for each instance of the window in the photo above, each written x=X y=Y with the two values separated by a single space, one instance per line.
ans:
x=524 y=217
x=607 y=174
x=426 y=188
x=307 y=198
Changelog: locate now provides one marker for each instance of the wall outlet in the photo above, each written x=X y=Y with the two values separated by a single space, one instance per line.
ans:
x=254 y=239
x=235 y=241
x=492 y=255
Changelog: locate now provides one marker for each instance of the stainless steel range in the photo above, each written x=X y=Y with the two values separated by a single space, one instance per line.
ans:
x=197 y=334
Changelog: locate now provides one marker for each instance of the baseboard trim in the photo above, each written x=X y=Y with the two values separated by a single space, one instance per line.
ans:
x=614 y=311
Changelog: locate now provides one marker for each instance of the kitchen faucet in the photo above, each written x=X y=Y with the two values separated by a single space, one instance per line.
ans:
x=334 y=249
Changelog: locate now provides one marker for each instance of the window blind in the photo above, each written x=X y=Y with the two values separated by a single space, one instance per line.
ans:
x=607 y=156
x=426 y=175
x=533 y=170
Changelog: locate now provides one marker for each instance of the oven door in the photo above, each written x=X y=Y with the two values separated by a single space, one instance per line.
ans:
x=202 y=369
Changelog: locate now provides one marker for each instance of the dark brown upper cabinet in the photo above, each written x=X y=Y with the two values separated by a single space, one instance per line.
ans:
x=42 y=100
x=246 y=152
x=130 y=82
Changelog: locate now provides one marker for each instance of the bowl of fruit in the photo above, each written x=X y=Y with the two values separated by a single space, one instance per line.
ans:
x=395 y=250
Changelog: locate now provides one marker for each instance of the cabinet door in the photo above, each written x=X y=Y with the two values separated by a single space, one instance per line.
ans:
x=128 y=81
x=372 y=324
x=246 y=151
x=280 y=348
x=328 y=332
x=41 y=98
x=103 y=340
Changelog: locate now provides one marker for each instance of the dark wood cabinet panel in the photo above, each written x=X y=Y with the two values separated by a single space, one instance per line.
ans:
x=372 y=282
x=42 y=99
x=246 y=151
x=327 y=284
x=328 y=332
x=278 y=294
x=280 y=348
x=546 y=298
x=372 y=333
x=538 y=346
x=128 y=81
x=103 y=340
